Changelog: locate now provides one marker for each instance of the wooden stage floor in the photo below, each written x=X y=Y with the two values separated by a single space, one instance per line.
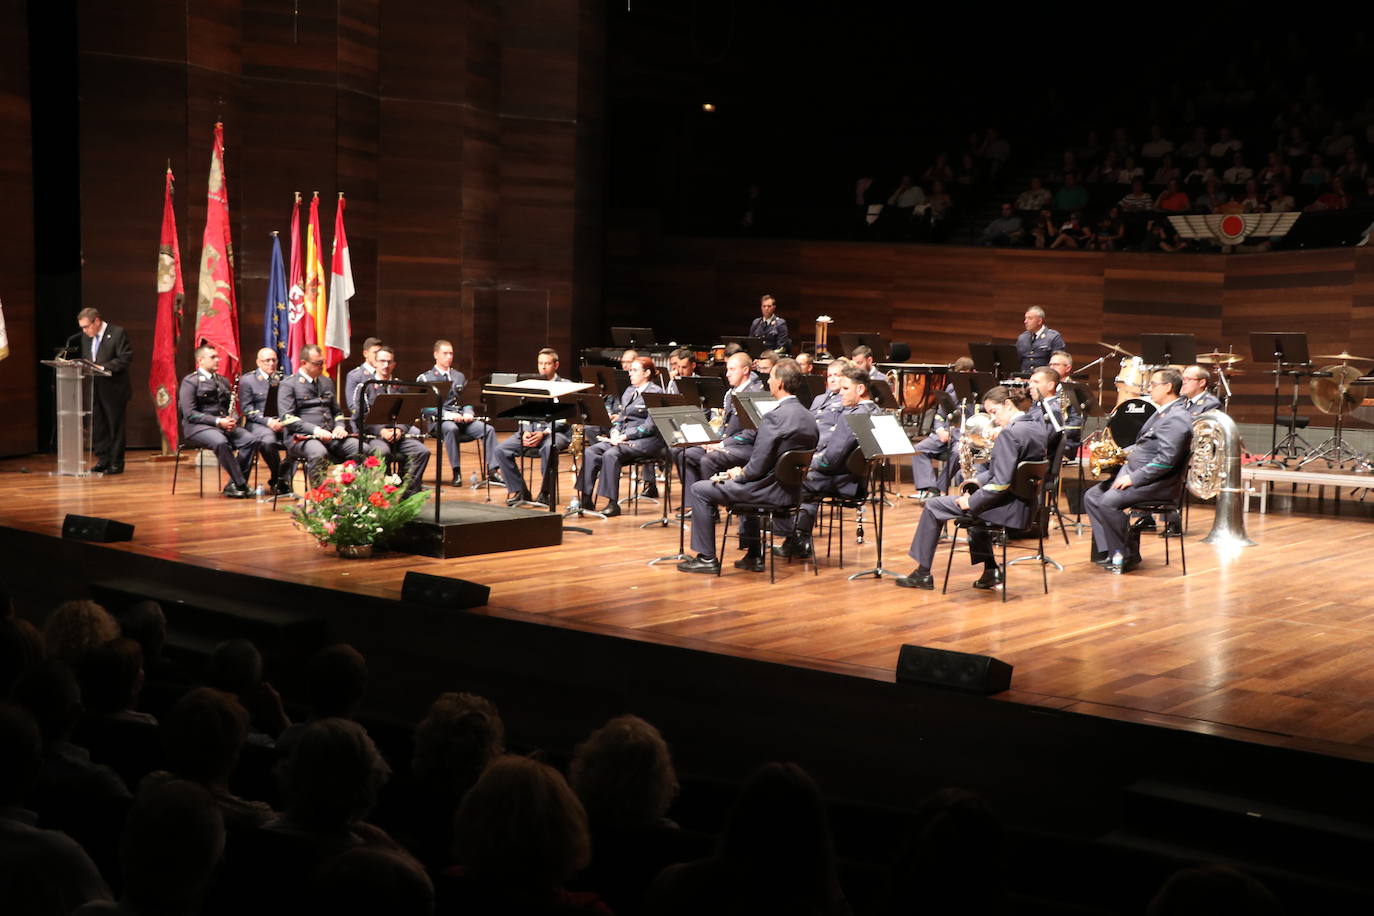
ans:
x=1273 y=644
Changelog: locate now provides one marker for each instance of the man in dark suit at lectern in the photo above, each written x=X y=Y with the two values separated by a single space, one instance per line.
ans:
x=108 y=347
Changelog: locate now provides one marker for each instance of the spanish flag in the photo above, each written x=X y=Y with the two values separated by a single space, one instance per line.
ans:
x=316 y=298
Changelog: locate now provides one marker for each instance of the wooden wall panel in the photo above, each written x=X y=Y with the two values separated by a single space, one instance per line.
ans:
x=940 y=302
x=18 y=373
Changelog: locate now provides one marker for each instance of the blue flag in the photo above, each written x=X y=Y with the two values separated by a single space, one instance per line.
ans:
x=276 y=324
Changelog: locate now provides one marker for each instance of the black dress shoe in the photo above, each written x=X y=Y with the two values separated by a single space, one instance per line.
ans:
x=514 y=498
x=700 y=565
x=917 y=579
x=114 y=469
x=100 y=468
x=991 y=578
x=752 y=562
x=1130 y=564
x=1172 y=530
x=457 y=480
x=1144 y=523
x=281 y=487
x=494 y=477
x=649 y=492
x=612 y=510
x=235 y=491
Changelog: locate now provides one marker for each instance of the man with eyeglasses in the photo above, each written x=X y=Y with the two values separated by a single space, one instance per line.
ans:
x=254 y=388
x=384 y=441
x=315 y=423
x=1151 y=472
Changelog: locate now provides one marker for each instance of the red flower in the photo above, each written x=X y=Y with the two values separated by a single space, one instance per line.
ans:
x=346 y=478
x=371 y=461
x=378 y=500
x=350 y=465
x=388 y=489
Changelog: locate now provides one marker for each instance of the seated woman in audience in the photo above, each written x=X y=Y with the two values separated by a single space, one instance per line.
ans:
x=1252 y=201
x=954 y=859
x=1138 y=200
x=1201 y=174
x=1275 y=169
x=1333 y=198
x=1073 y=234
x=1296 y=149
x=1316 y=174
x=76 y=626
x=1166 y=172
x=1172 y=199
x=939 y=170
x=1278 y=200
x=1110 y=231
x=1107 y=172
x=236 y=667
x=1044 y=230
x=1212 y=198
x=1352 y=166
x=1129 y=172
x=116 y=733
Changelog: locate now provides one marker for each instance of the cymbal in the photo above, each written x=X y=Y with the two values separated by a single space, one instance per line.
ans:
x=1217 y=356
x=1115 y=348
x=1345 y=357
x=1338 y=394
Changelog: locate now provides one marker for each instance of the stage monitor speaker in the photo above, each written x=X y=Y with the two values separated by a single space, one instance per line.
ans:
x=89 y=528
x=441 y=591
x=980 y=674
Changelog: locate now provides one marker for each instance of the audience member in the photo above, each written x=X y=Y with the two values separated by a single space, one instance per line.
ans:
x=1166 y=172
x=1211 y=199
x=994 y=151
x=1239 y=172
x=1072 y=196
x=1226 y=145
x=1333 y=198
x=1158 y=146
x=1004 y=230
x=163 y=679
x=1129 y=172
x=236 y=667
x=1316 y=174
x=1045 y=230
x=1251 y=201
x=116 y=733
x=966 y=176
x=1210 y=890
x=954 y=860
x=1278 y=200
x=1037 y=197
x=336 y=680
x=1275 y=169
x=1352 y=166
x=1121 y=144
x=939 y=170
x=1107 y=172
x=21 y=647
x=1073 y=234
x=1200 y=175
x=1296 y=149
x=1336 y=143
x=1172 y=199
x=1195 y=146
x=1111 y=229
x=1138 y=200
x=370 y=881
x=42 y=872
x=76 y=626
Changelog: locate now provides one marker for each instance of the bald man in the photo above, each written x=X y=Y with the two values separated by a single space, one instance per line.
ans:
x=253 y=391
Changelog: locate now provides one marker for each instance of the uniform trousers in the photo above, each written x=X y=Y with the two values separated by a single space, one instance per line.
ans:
x=224 y=445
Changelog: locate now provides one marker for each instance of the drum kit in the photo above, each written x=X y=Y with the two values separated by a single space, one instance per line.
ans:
x=1338 y=390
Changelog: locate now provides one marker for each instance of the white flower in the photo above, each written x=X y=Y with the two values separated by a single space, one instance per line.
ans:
x=394 y=479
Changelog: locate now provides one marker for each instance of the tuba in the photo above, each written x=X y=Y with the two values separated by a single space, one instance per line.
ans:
x=975 y=443
x=1214 y=471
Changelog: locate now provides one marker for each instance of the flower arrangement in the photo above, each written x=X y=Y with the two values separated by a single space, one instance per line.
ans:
x=356 y=505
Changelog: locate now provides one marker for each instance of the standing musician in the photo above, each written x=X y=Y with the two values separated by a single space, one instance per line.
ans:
x=403 y=442
x=253 y=390
x=459 y=422
x=943 y=440
x=1151 y=472
x=533 y=438
x=203 y=401
x=829 y=474
x=863 y=358
x=769 y=328
x=632 y=435
x=787 y=427
x=360 y=373
x=309 y=408
x=1021 y=438
x=1037 y=342
x=736 y=443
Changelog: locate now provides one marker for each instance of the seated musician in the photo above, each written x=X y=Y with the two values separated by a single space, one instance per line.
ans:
x=1057 y=411
x=253 y=390
x=401 y=441
x=533 y=438
x=360 y=373
x=765 y=363
x=943 y=441
x=632 y=435
x=1061 y=361
x=863 y=358
x=1151 y=472
x=682 y=363
x=769 y=328
x=1198 y=400
x=829 y=474
x=314 y=421
x=787 y=427
x=736 y=443
x=459 y=422
x=1020 y=438
x=806 y=363
x=203 y=401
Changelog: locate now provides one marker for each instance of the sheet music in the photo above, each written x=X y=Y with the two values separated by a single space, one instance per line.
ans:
x=695 y=432
x=889 y=435
x=542 y=386
x=763 y=407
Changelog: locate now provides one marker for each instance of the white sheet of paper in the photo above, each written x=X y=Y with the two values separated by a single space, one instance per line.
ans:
x=553 y=389
x=695 y=432
x=891 y=439
x=764 y=407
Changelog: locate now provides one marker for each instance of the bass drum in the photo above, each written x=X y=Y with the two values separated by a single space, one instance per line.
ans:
x=1130 y=381
x=1126 y=421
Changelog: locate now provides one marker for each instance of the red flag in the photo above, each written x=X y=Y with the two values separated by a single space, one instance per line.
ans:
x=316 y=297
x=217 y=313
x=162 y=376
x=302 y=330
x=339 y=329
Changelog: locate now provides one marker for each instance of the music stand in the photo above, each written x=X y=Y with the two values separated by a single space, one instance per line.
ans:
x=999 y=359
x=633 y=338
x=1288 y=348
x=682 y=428
x=815 y=385
x=1168 y=349
x=664 y=399
x=882 y=394
x=752 y=406
x=539 y=402
x=880 y=345
x=751 y=345
x=594 y=413
x=706 y=391
x=880 y=437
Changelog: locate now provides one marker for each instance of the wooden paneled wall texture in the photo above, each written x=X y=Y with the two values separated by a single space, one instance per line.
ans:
x=456 y=128
x=17 y=378
x=940 y=298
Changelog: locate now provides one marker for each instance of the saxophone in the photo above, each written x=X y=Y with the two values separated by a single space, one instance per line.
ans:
x=975 y=444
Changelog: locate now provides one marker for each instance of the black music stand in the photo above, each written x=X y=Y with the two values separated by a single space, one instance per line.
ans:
x=751 y=345
x=815 y=385
x=880 y=437
x=682 y=428
x=593 y=410
x=657 y=400
x=882 y=394
x=999 y=359
x=440 y=390
x=752 y=406
x=1168 y=349
x=706 y=392
x=633 y=338
x=881 y=346
x=539 y=404
x=1289 y=350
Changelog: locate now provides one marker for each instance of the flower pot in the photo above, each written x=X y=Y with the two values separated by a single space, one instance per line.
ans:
x=354 y=551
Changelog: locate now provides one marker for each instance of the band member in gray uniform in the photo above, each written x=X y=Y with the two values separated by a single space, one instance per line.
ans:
x=309 y=407
x=1151 y=472
x=254 y=388
x=682 y=363
x=1037 y=342
x=360 y=373
x=829 y=474
x=1020 y=438
x=943 y=441
x=862 y=355
x=768 y=327
x=632 y=435
x=458 y=424
x=403 y=441
x=1195 y=391
x=736 y=443
x=787 y=427
x=1060 y=414
x=533 y=438
x=203 y=402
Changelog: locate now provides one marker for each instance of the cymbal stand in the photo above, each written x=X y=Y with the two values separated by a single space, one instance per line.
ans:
x=1289 y=443
x=1334 y=449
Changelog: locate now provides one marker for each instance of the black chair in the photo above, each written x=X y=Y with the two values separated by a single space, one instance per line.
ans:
x=1050 y=508
x=1028 y=485
x=1178 y=503
x=182 y=446
x=791 y=468
x=858 y=467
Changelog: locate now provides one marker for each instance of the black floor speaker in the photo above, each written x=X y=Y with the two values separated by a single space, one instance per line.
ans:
x=981 y=674
x=89 y=528
x=442 y=591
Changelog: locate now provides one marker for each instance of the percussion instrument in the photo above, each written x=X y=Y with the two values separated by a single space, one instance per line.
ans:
x=1117 y=349
x=1219 y=358
x=1340 y=393
x=1127 y=419
x=1131 y=379
x=1344 y=357
x=917 y=386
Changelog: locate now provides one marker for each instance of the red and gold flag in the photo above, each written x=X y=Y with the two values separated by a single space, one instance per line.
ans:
x=171 y=293
x=302 y=325
x=217 y=313
x=316 y=297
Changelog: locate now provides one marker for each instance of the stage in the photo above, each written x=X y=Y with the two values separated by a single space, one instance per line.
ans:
x=1270 y=645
